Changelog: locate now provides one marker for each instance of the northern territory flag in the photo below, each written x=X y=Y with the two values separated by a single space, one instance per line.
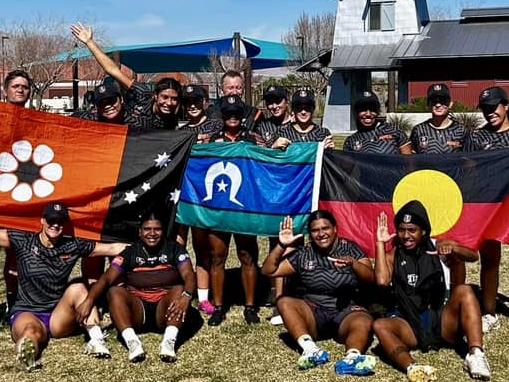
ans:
x=466 y=194
x=106 y=176
x=243 y=188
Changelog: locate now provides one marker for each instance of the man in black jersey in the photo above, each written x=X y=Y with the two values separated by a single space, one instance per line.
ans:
x=494 y=135
x=45 y=304
x=276 y=101
x=373 y=136
x=440 y=134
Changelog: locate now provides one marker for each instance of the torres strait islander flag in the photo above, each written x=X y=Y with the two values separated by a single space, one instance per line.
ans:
x=106 y=176
x=243 y=188
x=466 y=194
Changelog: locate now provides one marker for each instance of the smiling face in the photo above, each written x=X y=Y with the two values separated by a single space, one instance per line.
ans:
x=52 y=229
x=194 y=108
x=367 y=118
x=17 y=91
x=303 y=114
x=233 y=86
x=496 y=115
x=410 y=235
x=167 y=102
x=151 y=233
x=323 y=234
x=440 y=106
x=277 y=108
x=110 y=108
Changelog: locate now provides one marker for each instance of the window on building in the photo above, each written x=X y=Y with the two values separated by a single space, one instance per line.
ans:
x=381 y=16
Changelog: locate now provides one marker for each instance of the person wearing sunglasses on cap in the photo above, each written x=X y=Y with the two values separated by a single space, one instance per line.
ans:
x=46 y=303
x=493 y=135
x=373 y=136
x=302 y=128
x=440 y=134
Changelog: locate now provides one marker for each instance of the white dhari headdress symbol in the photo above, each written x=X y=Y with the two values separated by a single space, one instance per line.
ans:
x=230 y=170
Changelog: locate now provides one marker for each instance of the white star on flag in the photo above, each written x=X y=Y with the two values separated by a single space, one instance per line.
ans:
x=175 y=196
x=162 y=160
x=222 y=186
x=145 y=187
x=130 y=197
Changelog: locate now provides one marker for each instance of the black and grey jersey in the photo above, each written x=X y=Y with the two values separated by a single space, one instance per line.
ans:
x=316 y=134
x=322 y=282
x=43 y=272
x=429 y=139
x=269 y=130
x=485 y=138
x=383 y=139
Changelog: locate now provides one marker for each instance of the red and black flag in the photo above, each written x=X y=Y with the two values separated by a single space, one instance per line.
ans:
x=106 y=175
x=466 y=194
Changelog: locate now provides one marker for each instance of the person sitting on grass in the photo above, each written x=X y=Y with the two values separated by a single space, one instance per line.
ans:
x=159 y=283
x=330 y=269
x=424 y=318
x=46 y=304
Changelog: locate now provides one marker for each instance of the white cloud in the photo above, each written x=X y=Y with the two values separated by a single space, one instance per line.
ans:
x=150 y=20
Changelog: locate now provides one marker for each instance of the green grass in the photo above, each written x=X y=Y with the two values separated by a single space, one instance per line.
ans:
x=233 y=352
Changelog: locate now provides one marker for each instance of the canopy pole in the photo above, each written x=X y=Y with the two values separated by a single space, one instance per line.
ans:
x=248 y=80
x=236 y=50
x=75 y=86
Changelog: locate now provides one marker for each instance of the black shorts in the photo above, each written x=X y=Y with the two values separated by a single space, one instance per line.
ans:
x=150 y=316
x=329 y=320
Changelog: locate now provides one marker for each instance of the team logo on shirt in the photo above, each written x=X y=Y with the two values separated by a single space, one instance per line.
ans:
x=140 y=260
x=230 y=170
x=189 y=89
x=412 y=279
x=183 y=257
x=309 y=265
x=423 y=142
x=357 y=145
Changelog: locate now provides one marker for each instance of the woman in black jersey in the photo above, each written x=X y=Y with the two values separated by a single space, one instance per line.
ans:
x=423 y=317
x=330 y=269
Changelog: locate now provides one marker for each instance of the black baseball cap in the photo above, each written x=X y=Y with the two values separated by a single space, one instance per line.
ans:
x=413 y=212
x=275 y=94
x=438 y=92
x=232 y=105
x=193 y=92
x=56 y=212
x=303 y=97
x=107 y=89
x=367 y=100
x=492 y=97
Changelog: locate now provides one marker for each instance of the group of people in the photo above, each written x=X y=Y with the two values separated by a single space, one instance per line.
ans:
x=158 y=280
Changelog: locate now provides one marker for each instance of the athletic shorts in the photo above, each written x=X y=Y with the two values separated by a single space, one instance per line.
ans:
x=329 y=320
x=44 y=317
x=149 y=316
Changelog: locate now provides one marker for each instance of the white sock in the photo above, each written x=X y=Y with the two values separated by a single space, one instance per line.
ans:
x=95 y=332
x=203 y=295
x=129 y=334
x=170 y=333
x=307 y=344
x=353 y=352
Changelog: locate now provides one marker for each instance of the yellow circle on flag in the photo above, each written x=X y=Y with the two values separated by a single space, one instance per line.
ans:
x=439 y=194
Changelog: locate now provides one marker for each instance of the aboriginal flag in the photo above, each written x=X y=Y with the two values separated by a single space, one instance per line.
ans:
x=243 y=188
x=466 y=194
x=105 y=175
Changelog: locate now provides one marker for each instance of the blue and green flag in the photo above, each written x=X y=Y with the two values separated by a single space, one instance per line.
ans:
x=243 y=188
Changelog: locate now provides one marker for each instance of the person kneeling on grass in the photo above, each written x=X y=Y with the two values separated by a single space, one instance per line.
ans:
x=330 y=269
x=159 y=282
x=46 y=304
x=424 y=318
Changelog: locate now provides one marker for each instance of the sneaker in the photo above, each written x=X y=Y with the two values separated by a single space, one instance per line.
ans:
x=217 y=317
x=477 y=366
x=167 y=352
x=316 y=358
x=490 y=322
x=136 y=352
x=206 y=307
x=421 y=373
x=276 y=318
x=356 y=364
x=26 y=354
x=251 y=315
x=97 y=348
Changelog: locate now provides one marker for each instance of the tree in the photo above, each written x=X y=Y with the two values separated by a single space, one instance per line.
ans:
x=446 y=10
x=310 y=36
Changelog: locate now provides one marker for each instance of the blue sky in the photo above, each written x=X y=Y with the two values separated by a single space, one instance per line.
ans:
x=150 y=21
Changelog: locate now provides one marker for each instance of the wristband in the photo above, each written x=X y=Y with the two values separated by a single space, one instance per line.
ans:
x=282 y=245
x=187 y=294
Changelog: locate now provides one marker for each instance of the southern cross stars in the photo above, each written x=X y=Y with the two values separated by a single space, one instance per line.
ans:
x=162 y=160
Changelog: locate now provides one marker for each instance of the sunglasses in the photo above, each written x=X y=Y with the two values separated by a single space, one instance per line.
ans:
x=306 y=108
x=58 y=222
x=488 y=109
x=107 y=101
x=192 y=101
x=444 y=101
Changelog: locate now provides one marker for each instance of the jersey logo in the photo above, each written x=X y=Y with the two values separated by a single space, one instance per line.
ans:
x=230 y=170
x=423 y=141
x=140 y=260
x=357 y=145
x=412 y=279
x=309 y=265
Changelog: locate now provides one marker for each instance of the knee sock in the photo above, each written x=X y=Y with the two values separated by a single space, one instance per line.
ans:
x=203 y=294
x=129 y=334
x=170 y=333
x=307 y=344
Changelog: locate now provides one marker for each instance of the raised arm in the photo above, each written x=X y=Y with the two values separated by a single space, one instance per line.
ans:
x=384 y=262
x=85 y=35
x=4 y=239
x=108 y=249
x=275 y=265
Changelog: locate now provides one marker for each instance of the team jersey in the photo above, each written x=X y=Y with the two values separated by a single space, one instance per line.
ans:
x=269 y=130
x=323 y=283
x=139 y=106
x=383 y=139
x=252 y=116
x=205 y=129
x=150 y=275
x=244 y=135
x=91 y=115
x=428 y=139
x=316 y=134
x=484 y=138
x=43 y=272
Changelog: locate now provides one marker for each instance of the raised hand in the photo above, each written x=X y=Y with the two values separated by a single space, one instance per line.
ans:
x=382 y=231
x=329 y=142
x=286 y=236
x=81 y=32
